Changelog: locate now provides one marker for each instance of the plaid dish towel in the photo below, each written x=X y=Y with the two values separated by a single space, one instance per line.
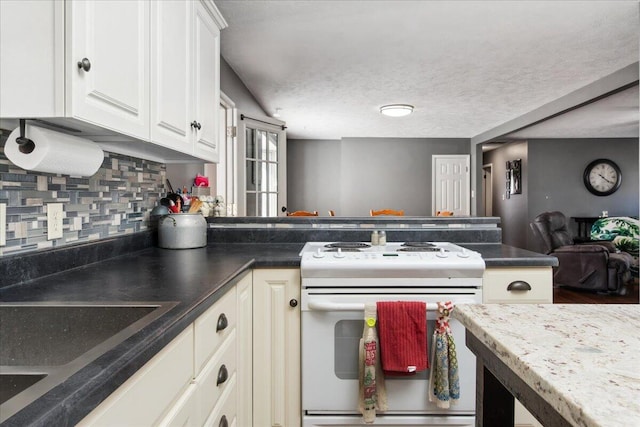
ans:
x=444 y=380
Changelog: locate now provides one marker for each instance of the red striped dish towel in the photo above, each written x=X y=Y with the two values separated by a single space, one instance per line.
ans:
x=402 y=330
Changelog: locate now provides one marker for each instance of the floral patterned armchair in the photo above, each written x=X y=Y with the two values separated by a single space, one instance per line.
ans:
x=623 y=232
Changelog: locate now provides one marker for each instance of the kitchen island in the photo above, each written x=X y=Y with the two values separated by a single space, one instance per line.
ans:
x=573 y=365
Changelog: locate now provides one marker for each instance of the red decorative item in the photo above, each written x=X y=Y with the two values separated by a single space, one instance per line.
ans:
x=201 y=181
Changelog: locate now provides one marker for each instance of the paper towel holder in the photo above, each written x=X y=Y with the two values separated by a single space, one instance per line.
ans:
x=25 y=145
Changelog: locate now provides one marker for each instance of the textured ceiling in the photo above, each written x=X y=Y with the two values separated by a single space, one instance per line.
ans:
x=466 y=66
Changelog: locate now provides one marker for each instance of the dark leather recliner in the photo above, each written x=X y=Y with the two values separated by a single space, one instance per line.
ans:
x=595 y=266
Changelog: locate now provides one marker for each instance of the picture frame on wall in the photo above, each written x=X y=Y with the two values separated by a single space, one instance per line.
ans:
x=514 y=177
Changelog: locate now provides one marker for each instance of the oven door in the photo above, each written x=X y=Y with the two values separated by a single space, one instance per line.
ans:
x=330 y=338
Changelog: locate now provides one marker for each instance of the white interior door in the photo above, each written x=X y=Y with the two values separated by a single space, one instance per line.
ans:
x=262 y=166
x=451 y=184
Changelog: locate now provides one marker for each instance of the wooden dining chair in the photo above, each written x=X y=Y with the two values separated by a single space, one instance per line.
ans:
x=391 y=212
x=331 y=213
x=302 y=213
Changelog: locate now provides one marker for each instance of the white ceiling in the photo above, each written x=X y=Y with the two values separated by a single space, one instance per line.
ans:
x=467 y=66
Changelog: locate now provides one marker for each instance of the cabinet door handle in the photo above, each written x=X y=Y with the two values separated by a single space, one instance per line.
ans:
x=196 y=125
x=519 y=285
x=293 y=302
x=223 y=422
x=85 y=64
x=222 y=323
x=223 y=375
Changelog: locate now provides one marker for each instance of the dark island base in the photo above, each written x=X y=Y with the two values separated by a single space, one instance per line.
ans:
x=496 y=386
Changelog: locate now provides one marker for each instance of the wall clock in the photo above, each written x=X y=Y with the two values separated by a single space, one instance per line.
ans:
x=602 y=177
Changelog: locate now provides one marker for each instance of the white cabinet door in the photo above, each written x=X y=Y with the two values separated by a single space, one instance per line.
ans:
x=276 y=347
x=245 y=351
x=112 y=90
x=171 y=74
x=31 y=62
x=145 y=397
x=207 y=83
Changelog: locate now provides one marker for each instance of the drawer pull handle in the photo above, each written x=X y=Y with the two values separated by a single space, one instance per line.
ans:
x=223 y=375
x=519 y=285
x=222 y=323
x=293 y=302
x=223 y=422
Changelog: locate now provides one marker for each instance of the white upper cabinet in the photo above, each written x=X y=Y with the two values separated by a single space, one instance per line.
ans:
x=124 y=72
x=171 y=74
x=107 y=64
x=206 y=64
x=185 y=64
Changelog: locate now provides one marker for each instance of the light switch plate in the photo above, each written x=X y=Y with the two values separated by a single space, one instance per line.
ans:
x=3 y=224
x=54 y=221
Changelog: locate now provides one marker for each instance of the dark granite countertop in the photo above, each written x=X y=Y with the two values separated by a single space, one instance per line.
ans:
x=193 y=278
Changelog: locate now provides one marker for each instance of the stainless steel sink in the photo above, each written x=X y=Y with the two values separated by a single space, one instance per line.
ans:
x=42 y=344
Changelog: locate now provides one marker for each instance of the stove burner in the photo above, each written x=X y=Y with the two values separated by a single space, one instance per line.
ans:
x=418 y=249
x=343 y=250
x=418 y=245
x=348 y=245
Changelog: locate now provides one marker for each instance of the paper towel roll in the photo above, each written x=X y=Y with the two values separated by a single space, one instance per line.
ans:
x=55 y=152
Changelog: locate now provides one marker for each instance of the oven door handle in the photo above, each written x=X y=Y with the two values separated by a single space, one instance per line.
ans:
x=344 y=306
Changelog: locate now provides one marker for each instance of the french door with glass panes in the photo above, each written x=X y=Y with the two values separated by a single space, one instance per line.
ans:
x=264 y=155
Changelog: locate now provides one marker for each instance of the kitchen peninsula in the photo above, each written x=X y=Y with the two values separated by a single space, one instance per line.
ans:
x=574 y=365
x=131 y=269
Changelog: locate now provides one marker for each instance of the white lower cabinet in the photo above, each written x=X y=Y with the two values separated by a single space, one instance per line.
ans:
x=144 y=398
x=519 y=285
x=276 y=347
x=184 y=412
x=245 y=351
x=193 y=381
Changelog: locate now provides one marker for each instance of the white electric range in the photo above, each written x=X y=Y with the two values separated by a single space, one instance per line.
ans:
x=338 y=278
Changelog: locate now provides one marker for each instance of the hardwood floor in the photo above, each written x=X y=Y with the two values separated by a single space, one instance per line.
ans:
x=572 y=296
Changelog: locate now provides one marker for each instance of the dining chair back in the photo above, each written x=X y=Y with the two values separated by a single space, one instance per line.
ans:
x=390 y=212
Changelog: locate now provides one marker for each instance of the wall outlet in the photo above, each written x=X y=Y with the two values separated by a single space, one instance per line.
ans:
x=3 y=224
x=54 y=221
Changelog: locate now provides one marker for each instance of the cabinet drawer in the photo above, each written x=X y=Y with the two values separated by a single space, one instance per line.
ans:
x=209 y=391
x=500 y=285
x=226 y=407
x=210 y=329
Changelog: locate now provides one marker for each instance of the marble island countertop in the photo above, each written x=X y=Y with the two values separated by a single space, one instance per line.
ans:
x=583 y=360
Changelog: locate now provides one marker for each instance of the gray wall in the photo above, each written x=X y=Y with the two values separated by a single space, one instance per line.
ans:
x=552 y=171
x=556 y=168
x=233 y=87
x=354 y=175
x=512 y=211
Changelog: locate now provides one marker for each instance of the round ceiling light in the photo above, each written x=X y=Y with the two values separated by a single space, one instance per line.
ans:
x=396 y=110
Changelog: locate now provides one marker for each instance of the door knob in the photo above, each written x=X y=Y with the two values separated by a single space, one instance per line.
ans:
x=293 y=302
x=85 y=64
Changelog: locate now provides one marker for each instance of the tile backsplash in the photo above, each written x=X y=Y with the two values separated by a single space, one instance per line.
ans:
x=115 y=201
